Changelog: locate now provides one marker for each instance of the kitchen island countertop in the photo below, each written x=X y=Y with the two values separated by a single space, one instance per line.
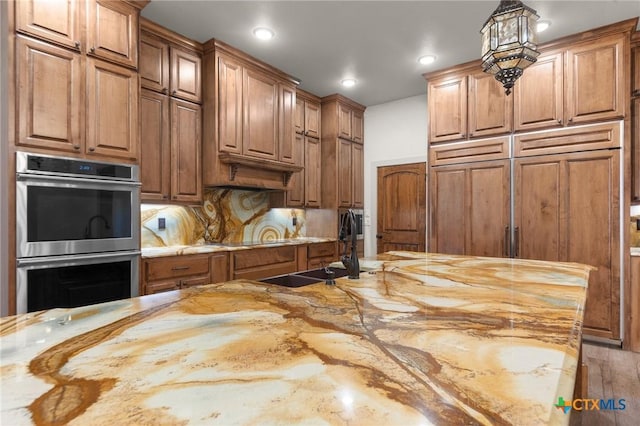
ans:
x=425 y=339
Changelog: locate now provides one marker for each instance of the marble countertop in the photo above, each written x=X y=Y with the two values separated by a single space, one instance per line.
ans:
x=426 y=339
x=177 y=250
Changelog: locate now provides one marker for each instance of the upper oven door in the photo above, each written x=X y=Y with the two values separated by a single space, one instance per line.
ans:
x=61 y=215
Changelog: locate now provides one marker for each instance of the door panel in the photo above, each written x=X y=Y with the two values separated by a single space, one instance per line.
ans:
x=401 y=207
x=186 y=182
x=154 y=146
x=448 y=198
x=260 y=126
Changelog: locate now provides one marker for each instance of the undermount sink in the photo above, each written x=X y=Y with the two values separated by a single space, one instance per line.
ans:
x=301 y=279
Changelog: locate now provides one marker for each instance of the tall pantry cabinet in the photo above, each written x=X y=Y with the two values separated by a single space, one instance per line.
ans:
x=541 y=179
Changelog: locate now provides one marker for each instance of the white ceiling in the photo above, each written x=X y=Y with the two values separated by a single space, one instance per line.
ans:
x=375 y=42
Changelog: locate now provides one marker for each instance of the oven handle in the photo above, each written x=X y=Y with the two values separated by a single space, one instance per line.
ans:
x=76 y=259
x=28 y=176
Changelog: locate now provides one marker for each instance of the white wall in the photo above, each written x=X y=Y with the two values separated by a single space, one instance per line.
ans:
x=394 y=133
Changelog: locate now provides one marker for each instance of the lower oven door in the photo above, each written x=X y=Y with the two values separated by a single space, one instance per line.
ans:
x=78 y=280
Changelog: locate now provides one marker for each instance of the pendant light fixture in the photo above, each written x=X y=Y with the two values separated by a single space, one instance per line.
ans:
x=509 y=42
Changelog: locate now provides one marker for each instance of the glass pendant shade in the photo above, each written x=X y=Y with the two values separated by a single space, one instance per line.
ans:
x=509 y=42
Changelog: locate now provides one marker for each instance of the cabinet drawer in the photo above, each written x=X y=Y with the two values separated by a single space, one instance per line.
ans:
x=264 y=256
x=322 y=250
x=320 y=262
x=195 y=281
x=464 y=152
x=161 y=286
x=179 y=266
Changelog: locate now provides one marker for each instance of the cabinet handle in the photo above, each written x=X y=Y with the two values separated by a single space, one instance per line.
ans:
x=571 y=120
x=180 y=268
x=379 y=236
x=506 y=241
x=165 y=197
x=77 y=44
x=559 y=120
x=92 y=50
x=174 y=92
x=76 y=147
x=516 y=251
x=165 y=90
x=92 y=148
x=175 y=197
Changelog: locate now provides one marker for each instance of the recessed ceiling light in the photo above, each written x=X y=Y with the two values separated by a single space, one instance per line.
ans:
x=348 y=82
x=263 y=33
x=427 y=59
x=542 y=25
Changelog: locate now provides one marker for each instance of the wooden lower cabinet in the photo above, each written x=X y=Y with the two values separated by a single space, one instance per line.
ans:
x=172 y=273
x=567 y=209
x=321 y=254
x=219 y=267
x=470 y=206
x=264 y=262
x=634 y=323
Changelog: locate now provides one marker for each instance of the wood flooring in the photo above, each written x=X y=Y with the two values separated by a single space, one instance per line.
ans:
x=613 y=374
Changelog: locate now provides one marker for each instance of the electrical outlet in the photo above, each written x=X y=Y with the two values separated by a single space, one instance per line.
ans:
x=162 y=224
x=294 y=221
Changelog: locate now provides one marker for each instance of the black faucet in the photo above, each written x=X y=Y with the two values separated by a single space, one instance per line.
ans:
x=348 y=235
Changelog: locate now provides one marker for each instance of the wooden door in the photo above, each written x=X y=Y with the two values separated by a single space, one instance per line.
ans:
x=488 y=206
x=229 y=109
x=447 y=103
x=568 y=207
x=635 y=150
x=344 y=122
x=57 y=21
x=260 y=115
x=112 y=110
x=357 y=175
x=490 y=109
x=357 y=131
x=635 y=68
x=401 y=207
x=312 y=172
x=186 y=75
x=286 y=115
x=345 y=185
x=312 y=119
x=154 y=64
x=49 y=96
x=186 y=168
x=112 y=31
x=448 y=220
x=595 y=72
x=538 y=95
x=298 y=121
x=155 y=150
x=295 y=194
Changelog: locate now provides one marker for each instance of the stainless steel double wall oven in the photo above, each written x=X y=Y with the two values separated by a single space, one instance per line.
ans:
x=77 y=231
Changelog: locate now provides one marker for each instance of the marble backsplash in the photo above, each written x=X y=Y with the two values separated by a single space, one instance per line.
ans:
x=226 y=216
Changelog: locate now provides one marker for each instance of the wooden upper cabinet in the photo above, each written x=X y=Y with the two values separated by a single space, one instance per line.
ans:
x=635 y=67
x=490 y=109
x=595 y=80
x=635 y=151
x=344 y=122
x=447 y=103
x=186 y=71
x=57 y=21
x=50 y=111
x=296 y=192
x=538 y=94
x=112 y=31
x=357 y=123
x=312 y=172
x=229 y=102
x=357 y=167
x=154 y=63
x=260 y=115
x=112 y=110
x=155 y=149
x=287 y=97
x=186 y=157
x=312 y=119
x=344 y=173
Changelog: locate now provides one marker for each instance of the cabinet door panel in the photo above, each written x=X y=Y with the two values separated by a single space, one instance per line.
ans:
x=112 y=31
x=447 y=192
x=447 y=97
x=287 y=99
x=112 y=110
x=312 y=172
x=490 y=109
x=154 y=64
x=635 y=150
x=345 y=184
x=357 y=175
x=312 y=119
x=49 y=96
x=229 y=105
x=356 y=127
x=489 y=203
x=344 y=122
x=538 y=208
x=260 y=119
x=154 y=146
x=186 y=174
x=186 y=81
x=299 y=115
x=57 y=21
x=295 y=193
x=538 y=94
x=594 y=80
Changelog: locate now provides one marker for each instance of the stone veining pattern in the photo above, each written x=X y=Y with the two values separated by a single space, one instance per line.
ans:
x=426 y=339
